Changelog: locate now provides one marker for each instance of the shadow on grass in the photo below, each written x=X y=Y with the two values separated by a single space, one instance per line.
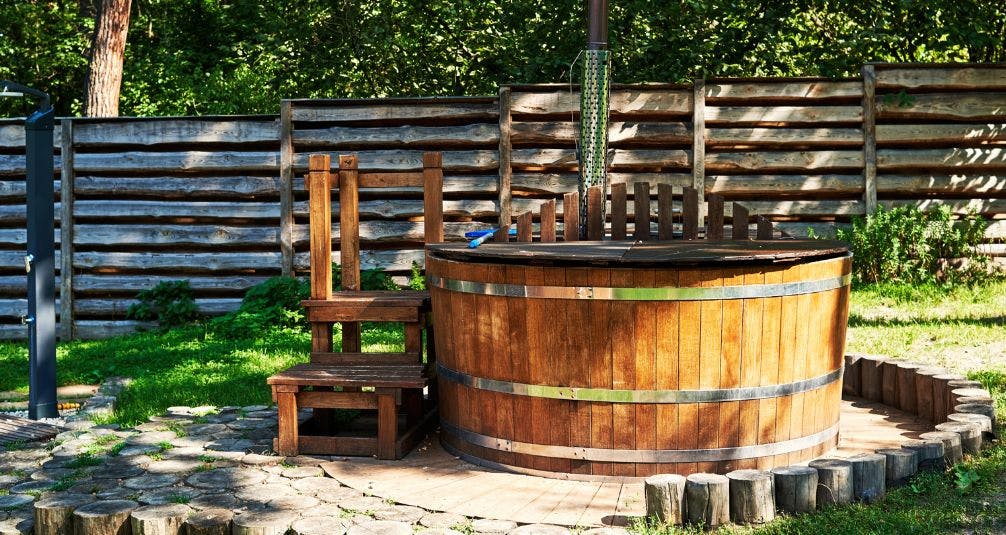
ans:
x=857 y=320
x=182 y=366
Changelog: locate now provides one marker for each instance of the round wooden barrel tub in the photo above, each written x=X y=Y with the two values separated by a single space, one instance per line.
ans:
x=610 y=359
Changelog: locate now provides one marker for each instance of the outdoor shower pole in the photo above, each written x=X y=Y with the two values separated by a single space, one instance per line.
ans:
x=594 y=107
x=40 y=260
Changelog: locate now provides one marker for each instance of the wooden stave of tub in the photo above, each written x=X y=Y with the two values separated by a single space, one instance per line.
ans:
x=477 y=335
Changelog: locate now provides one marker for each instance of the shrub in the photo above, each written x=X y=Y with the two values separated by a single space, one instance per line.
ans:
x=905 y=244
x=274 y=303
x=170 y=304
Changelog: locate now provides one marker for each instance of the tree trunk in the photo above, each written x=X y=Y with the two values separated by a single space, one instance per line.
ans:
x=104 y=73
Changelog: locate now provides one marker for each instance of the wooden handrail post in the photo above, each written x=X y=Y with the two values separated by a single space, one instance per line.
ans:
x=433 y=197
x=66 y=182
x=505 y=169
x=699 y=141
x=319 y=191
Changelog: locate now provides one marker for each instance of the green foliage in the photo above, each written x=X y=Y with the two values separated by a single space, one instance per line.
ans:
x=965 y=478
x=259 y=52
x=905 y=244
x=272 y=304
x=170 y=304
x=417 y=280
x=370 y=279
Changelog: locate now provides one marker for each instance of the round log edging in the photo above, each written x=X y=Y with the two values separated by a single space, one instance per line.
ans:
x=637 y=396
x=665 y=293
x=857 y=365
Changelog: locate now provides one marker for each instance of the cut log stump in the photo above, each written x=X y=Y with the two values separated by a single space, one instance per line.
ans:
x=851 y=377
x=262 y=523
x=869 y=475
x=901 y=464
x=752 y=496
x=929 y=454
x=952 y=451
x=707 y=500
x=209 y=522
x=664 y=497
x=977 y=408
x=166 y=519
x=834 y=481
x=970 y=433
x=983 y=421
x=795 y=489
x=872 y=377
x=53 y=514
x=906 y=386
x=110 y=517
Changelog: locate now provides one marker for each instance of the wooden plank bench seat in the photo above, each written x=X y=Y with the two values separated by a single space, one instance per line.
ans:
x=377 y=375
x=390 y=382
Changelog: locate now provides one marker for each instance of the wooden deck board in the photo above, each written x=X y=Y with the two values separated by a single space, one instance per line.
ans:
x=16 y=429
x=431 y=478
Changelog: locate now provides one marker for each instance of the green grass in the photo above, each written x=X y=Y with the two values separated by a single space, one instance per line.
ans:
x=180 y=367
x=959 y=328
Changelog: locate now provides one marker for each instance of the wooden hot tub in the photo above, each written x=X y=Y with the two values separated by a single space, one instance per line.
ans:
x=593 y=359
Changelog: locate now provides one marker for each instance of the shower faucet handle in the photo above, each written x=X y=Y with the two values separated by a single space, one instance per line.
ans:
x=28 y=259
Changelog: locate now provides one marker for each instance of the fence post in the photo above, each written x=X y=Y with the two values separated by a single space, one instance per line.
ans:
x=699 y=143
x=505 y=169
x=66 y=180
x=286 y=187
x=869 y=138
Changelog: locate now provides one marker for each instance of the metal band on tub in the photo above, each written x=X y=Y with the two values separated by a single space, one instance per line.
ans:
x=640 y=456
x=715 y=293
x=638 y=396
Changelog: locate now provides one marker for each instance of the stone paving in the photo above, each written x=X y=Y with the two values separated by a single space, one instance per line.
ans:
x=211 y=467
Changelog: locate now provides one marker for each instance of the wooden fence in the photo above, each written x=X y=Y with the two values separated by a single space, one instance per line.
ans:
x=220 y=201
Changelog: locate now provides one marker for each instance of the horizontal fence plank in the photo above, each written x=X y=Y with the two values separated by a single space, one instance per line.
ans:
x=769 y=185
x=545 y=159
x=13 y=165
x=441 y=137
x=17 y=190
x=168 y=187
x=559 y=183
x=941 y=134
x=12 y=134
x=797 y=91
x=927 y=184
x=482 y=185
x=18 y=284
x=781 y=115
x=959 y=78
x=409 y=208
x=90 y=307
x=177 y=235
x=97 y=329
x=174 y=131
x=18 y=213
x=948 y=159
x=176 y=162
x=19 y=237
x=805 y=230
x=806 y=208
x=105 y=284
x=951 y=106
x=783 y=137
x=471 y=111
x=411 y=160
x=622 y=102
x=795 y=161
x=392 y=231
x=619 y=133
x=200 y=262
x=14 y=260
x=398 y=260
x=105 y=209
x=991 y=207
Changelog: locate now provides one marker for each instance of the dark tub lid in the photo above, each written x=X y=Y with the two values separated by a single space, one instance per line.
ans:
x=645 y=253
